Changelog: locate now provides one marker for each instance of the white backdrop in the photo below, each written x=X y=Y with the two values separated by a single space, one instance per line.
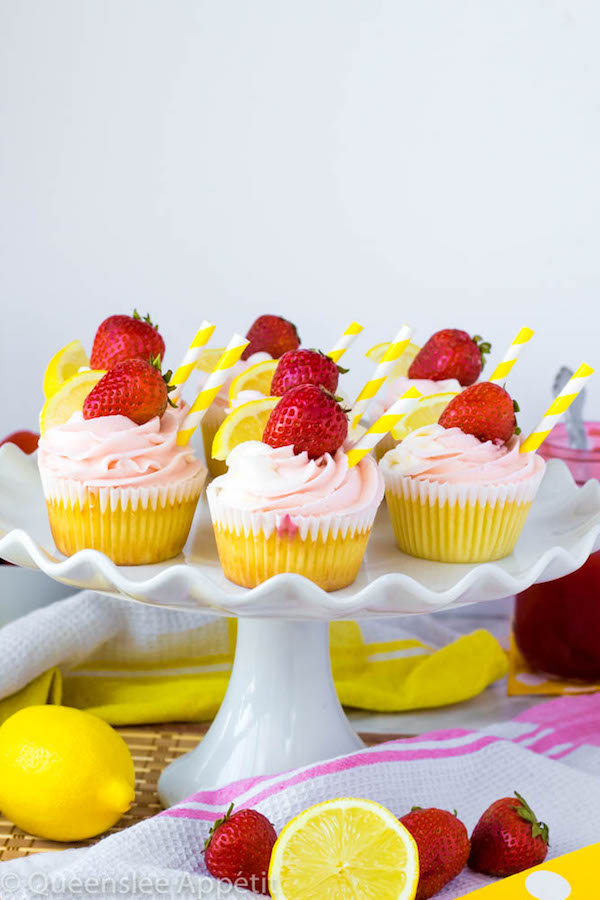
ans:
x=385 y=160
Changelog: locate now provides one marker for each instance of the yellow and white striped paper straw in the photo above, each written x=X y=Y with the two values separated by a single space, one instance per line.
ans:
x=389 y=360
x=349 y=335
x=405 y=404
x=188 y=363
x=213 y=385
x=557 y=408
x=503 y=368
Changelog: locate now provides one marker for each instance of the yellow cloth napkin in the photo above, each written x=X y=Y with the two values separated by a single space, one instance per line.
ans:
x=392 y=676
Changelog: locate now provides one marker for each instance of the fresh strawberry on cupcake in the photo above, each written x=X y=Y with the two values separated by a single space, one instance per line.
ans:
x=113 y=476
x=291 y=503
x=460 y=490
x=270 y=337
x=448 y=362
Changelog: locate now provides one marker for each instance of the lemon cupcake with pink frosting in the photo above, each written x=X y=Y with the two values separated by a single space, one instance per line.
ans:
x=291 y=502
x=113 y=476
x=460 y=490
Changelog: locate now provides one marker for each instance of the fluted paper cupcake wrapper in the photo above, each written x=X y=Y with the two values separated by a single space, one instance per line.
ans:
x=72 y=492
x=241 y=521
x=131 y=526
x=458 y=523
x=331 y=562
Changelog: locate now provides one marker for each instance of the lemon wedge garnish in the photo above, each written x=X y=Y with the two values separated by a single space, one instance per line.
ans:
x=63 y=365
x=345 y=849
x=427 y=412
x=375 y=354
x=68 y=399
x=245 y=423
x=209 y=358
x=255 y=378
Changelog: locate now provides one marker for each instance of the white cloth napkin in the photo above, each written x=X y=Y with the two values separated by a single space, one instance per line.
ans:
x=550 y=754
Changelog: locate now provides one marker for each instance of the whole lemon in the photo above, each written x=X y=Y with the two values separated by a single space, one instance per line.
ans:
x=65 y=775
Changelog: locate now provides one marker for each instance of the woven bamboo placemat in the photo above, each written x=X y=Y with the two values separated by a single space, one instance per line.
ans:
x=152 y=747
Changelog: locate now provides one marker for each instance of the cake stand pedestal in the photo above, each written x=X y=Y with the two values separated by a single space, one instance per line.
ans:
x=281 y=710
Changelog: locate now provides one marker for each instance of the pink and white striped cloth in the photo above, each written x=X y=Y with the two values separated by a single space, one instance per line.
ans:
x=550 y=754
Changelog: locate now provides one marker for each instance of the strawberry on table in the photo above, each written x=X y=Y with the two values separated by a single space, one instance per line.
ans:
x=125 y=337
x=305 y=367
x=26 y=441
x=450 y=353
x=133 y=388
x=485 y=410
x=508 y=839
x=443 y=844
x=273 y=335
x=309 y=418
x=239 y=849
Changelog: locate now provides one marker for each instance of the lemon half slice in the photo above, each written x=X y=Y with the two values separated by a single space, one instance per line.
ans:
x=427 y=412
x=245 y=423
x=376 y=353
x=63 y=365
x=344 y=849
x=68 y=399
x=255 y=378
x=209 y=358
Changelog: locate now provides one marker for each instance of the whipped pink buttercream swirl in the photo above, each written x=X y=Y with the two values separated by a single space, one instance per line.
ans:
x=267 y=479
x=112 y=451
x=450 y=456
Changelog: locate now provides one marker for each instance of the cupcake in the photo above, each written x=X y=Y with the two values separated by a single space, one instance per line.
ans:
x=113 y=476
x=448 y=362
x=460 y=491
x=270 y=337
x=291 y=503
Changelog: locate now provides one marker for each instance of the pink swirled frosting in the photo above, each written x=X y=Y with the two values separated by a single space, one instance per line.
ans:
x=267 y=479
x=450 y=456
x=112 y=451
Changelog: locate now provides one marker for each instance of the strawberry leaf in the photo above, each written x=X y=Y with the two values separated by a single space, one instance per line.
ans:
x=145 y=319
x=216 y=825
x=538 y=829
x=484 y=347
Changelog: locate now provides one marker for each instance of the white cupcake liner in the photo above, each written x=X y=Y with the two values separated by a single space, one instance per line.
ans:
x=72 y=492
x=263 y=524
x=435 y=493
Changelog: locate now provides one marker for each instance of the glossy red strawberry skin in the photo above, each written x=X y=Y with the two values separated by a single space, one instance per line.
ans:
x=133 y=388
x=308 y=418
x=503 y=843
x=27 y=441
x=304 y=367
x=124 y=337
x=485 y=410
x=443 y=844
x=273 y=335
x=239 y=850
x=450 y=353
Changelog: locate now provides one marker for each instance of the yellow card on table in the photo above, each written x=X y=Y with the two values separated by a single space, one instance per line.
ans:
x=575 y=876
x=524 y=680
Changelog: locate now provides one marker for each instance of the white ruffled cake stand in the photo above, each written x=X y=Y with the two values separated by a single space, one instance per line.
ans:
x=281 y=710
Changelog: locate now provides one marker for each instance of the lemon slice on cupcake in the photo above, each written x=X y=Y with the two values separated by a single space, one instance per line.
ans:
x=245 y=423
